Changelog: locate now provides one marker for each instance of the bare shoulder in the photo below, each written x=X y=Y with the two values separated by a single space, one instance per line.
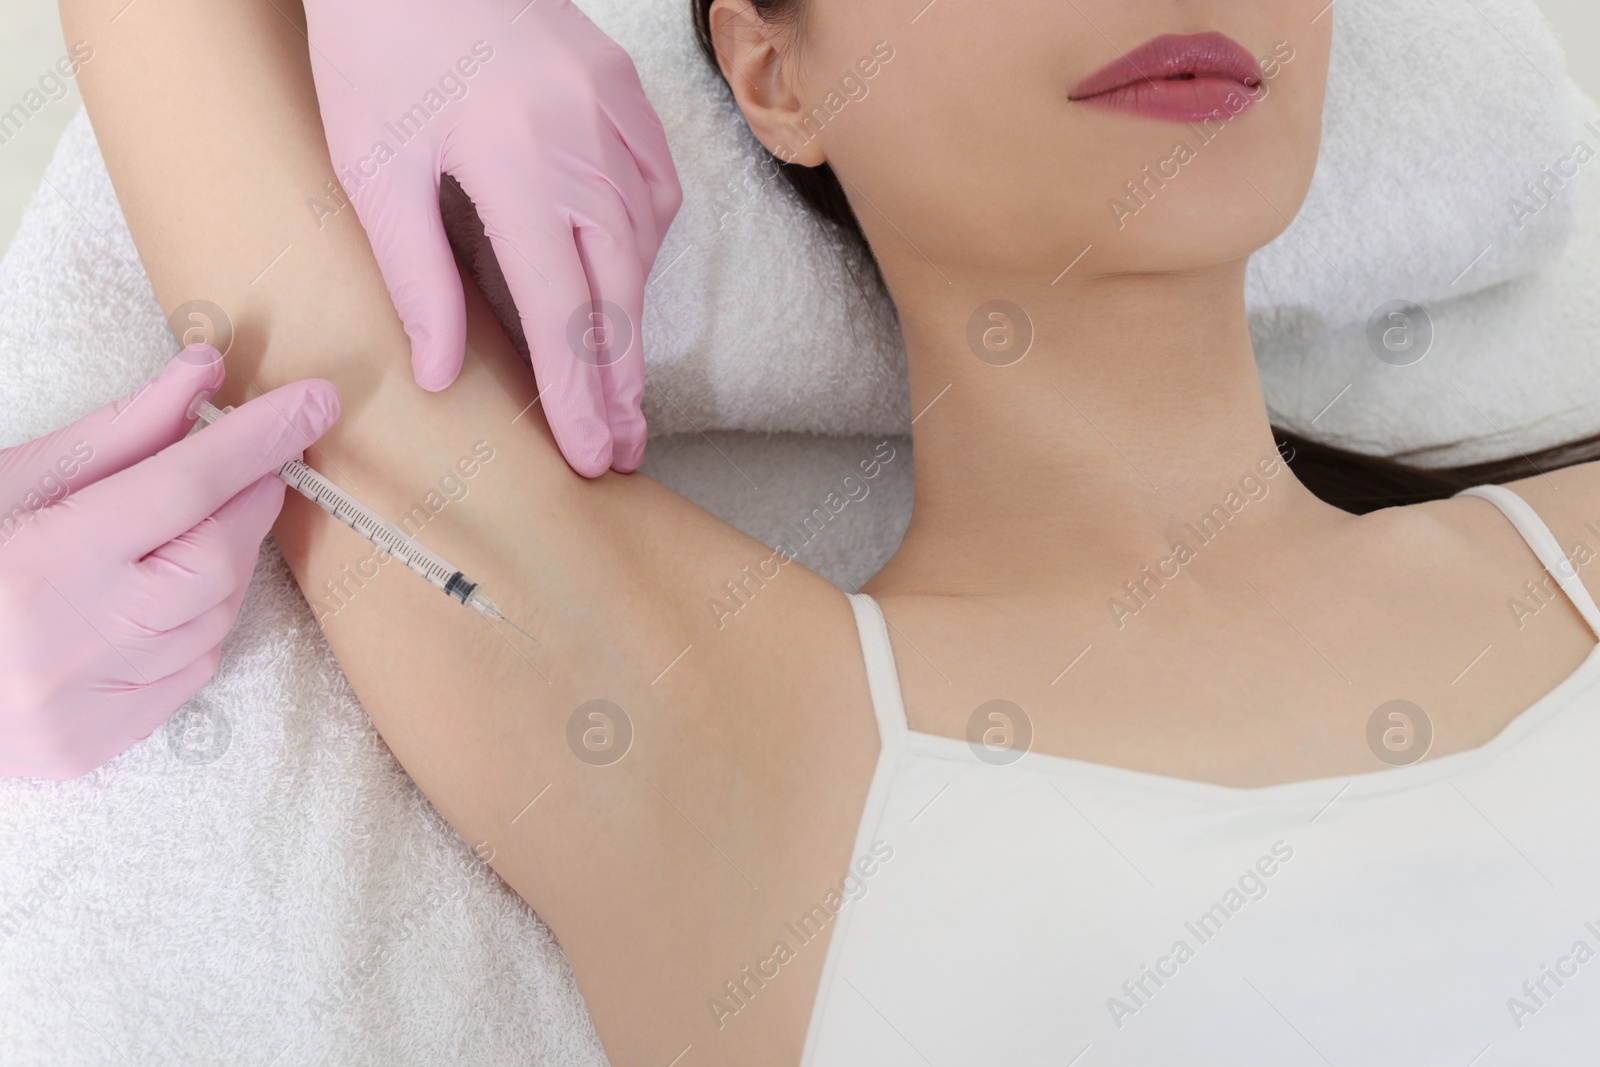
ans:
x=1568 y=500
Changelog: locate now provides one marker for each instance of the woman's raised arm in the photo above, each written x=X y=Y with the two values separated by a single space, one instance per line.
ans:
x=207 y=119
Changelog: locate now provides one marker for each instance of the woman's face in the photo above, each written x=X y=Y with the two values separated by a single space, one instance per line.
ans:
x=967 y=134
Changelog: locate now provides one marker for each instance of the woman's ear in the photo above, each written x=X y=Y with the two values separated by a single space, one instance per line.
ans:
x=751 y=54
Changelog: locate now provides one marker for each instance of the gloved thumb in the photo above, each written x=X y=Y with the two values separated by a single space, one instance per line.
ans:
x=115 y=436
x=407 y=234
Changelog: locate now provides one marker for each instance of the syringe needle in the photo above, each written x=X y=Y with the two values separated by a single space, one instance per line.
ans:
x=490 y=610
x=519 y=629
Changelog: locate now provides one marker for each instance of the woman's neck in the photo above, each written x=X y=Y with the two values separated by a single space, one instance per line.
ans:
x=1136 y=410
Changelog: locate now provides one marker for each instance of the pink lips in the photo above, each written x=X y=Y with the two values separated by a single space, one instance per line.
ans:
x=1177 y=78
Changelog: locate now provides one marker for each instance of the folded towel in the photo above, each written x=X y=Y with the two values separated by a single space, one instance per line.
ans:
x=1510 y=369
x=1440 y=122
x=1439 y=115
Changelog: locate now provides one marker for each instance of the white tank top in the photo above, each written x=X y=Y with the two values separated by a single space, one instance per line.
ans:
x=1058 y=913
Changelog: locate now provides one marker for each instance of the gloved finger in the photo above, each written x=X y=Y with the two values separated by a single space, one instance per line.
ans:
x=402 y=220
x=660 y=179
x=616 y=285
x=58 y=757
x=166 y=654
x=551 y=292
x=206 y=565
x=644 y=137
x=172 y=491
x=558 y=328
x=620 y=180
x=73 y=749
x=112 y=437
x=150 y=706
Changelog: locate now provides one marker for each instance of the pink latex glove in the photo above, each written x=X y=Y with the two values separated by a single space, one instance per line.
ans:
x=125 y=551
x=542 y=120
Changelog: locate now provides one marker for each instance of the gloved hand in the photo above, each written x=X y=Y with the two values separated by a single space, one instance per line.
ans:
x=542 y=120
x=114 y=600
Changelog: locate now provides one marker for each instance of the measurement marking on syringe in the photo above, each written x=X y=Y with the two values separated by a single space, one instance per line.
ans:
x=378 y=531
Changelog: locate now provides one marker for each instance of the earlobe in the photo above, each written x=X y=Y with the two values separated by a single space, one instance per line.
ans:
x=751 y=54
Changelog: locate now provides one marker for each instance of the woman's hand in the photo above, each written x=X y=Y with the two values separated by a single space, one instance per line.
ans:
x=542 y=120
x=125 y=551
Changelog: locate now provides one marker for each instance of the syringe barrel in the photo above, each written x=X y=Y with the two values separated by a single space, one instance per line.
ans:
x=379 y=531
x=388 y=538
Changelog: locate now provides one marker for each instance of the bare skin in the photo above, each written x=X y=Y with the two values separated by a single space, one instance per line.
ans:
x=1041 y=489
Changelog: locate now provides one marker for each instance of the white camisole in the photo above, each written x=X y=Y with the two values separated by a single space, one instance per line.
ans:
x=1058 y=913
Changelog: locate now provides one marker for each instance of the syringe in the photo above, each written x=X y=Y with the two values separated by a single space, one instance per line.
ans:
x=375 y=528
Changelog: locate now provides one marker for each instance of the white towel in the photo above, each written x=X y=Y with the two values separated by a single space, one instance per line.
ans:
x=1511 y=368
x=1438 y=114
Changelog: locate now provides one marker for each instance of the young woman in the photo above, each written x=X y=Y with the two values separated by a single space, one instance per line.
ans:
x=1106 y=762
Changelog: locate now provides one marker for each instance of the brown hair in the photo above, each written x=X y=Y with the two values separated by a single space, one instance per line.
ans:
x=1353 y=481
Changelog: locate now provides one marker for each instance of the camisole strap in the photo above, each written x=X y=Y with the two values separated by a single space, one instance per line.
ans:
x=883 y=680
x=1544 y=545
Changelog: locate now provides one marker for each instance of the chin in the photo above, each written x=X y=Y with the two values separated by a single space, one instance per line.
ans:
x=1174 y=215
